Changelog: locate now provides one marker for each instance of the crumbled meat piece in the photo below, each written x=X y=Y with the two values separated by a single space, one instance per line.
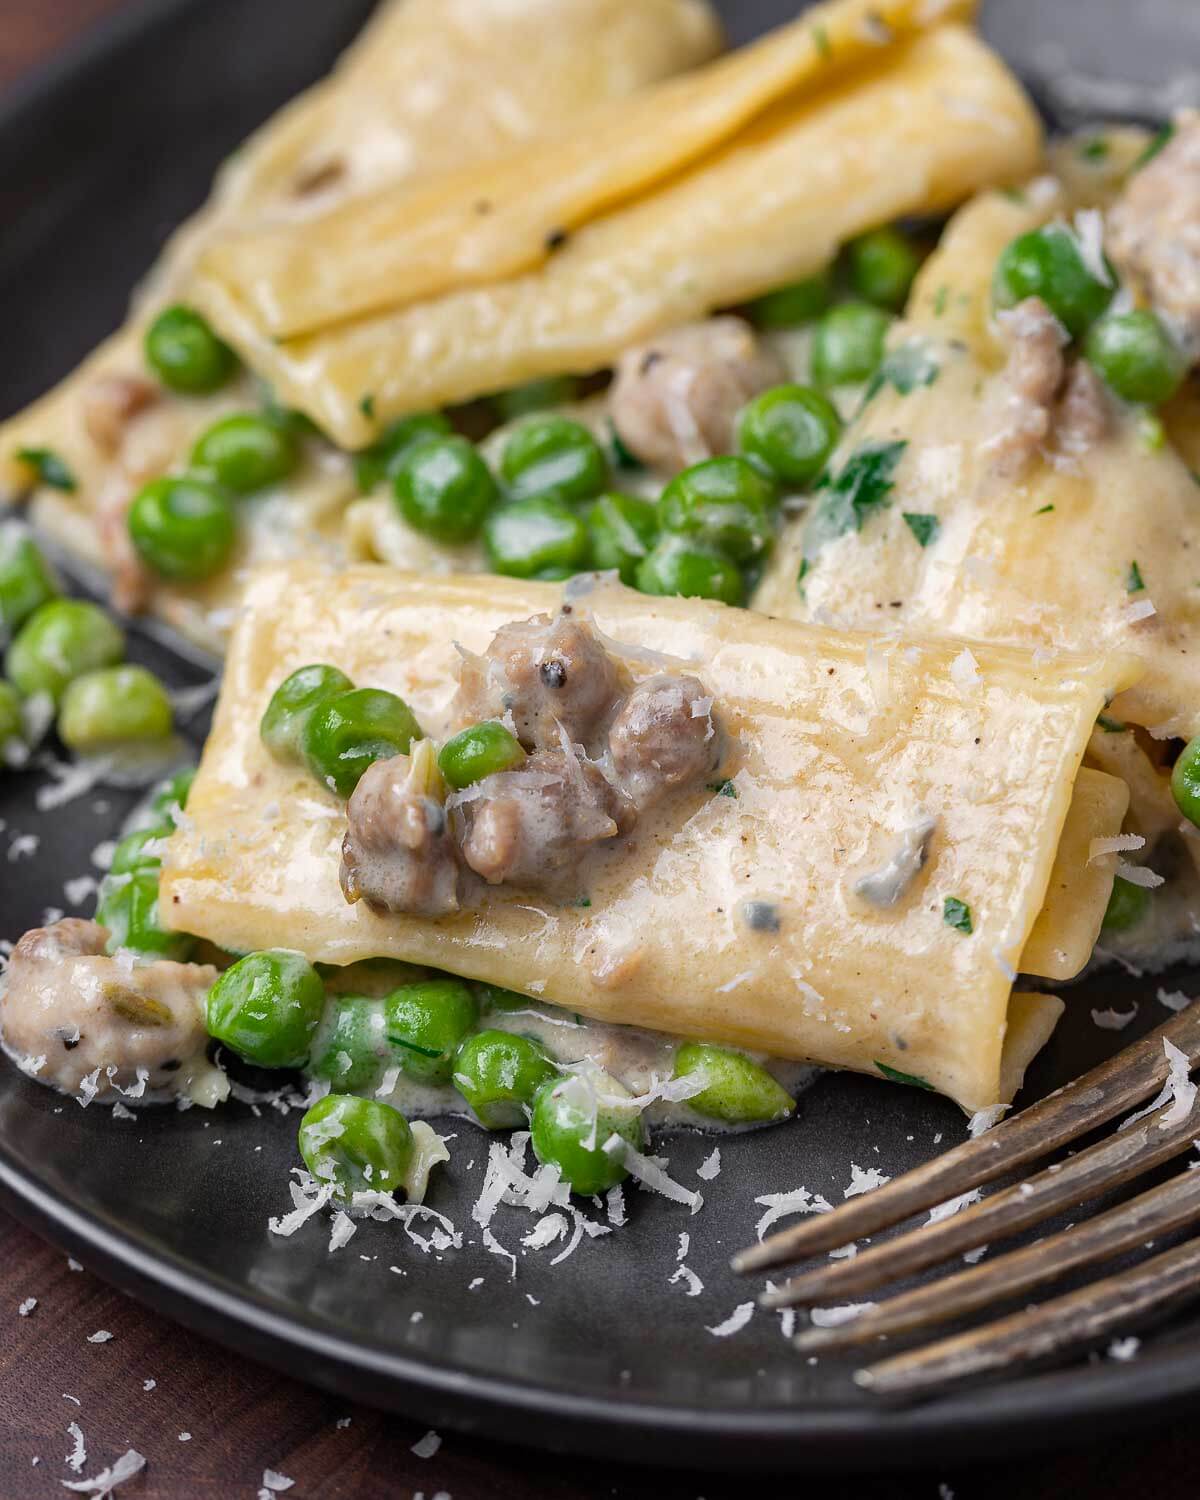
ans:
x=398 y=854
x=1082 y=419
x=545 y=672
x=110 y=402
x=664 y=737
x=100 y=1019
x=531 y=827
x=1032 y=377
x=673 y=401
x=1153 y=231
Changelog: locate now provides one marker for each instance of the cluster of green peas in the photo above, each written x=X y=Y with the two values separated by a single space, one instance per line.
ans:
x=71 y=653
x=269 y=1008
x=1132 y=351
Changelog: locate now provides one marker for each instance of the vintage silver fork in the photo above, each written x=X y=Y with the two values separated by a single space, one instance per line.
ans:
x=1055 y=1327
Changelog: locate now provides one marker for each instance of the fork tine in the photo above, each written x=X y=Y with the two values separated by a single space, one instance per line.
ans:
x=1159 y=1211
x=1109 y=1163
x=1053 y=1328
x=1107 y=1091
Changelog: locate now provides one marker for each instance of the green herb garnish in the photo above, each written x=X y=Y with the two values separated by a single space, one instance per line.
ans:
x=1154 y=146
x=49 y=468
x=957 y=914
x=367 y=407
x=1134 y=582
x=622 y=457
x=894 y=1075
x=398 y=1041
x=821 y=41
x=1110 y=726
x=1094 y=150
x=939 y=300
x=855 y=494
x=924 y=528
x=1042 y=509
x=724 y=788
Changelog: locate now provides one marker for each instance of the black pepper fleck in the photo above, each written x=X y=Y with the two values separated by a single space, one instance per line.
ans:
x=553 y=674
x=556 y=239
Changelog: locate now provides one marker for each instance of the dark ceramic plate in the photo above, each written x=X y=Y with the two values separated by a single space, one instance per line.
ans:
x=98 y=158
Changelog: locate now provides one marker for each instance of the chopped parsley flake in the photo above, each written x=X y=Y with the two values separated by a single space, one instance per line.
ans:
x=855 y=494
x=1134 y=583
x=894 y=1075
x=1155 y=145
x=906 y=367
x=49 y=468
x=821 y=41
x=957 y=914
x=367 y=407
x=724 y=788
x=399 y=1041
x=1110 y=726
x=1094 y=150
x=939 y=301
x=584 y=901
x=800 y=576
x=924 y=528
x=1042 y=509
x=622 y=457
x=1014 y=195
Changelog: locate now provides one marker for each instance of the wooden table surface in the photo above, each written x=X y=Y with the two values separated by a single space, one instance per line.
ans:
x=211 y=1423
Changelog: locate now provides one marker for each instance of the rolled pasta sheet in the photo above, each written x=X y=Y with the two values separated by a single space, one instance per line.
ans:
x=391 y=112
x=929 y=123
x=1091 y=542
x=840 y=749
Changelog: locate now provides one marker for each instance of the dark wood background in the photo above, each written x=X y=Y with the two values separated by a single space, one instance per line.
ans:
x=213 y=1422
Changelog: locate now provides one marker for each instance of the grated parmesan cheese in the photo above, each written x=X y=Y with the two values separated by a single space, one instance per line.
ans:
x=1173 y=999
x=130 y=1463
x=734 y=1323
x=427 y=1446
x=1121 y=843
x=780 y=1205
x=964 y=670
x=1179 y=1089
x=864 y=1180
x=1114 y=1020
x=834 y=1317
x=1138 y=875
x=692 y=1284
x=710 y=1167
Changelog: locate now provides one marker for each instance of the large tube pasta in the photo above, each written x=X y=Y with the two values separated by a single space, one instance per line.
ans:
x=839 y=744
x=490 y=221
x=1095 y=545
x=392 y=111
x=933 y=121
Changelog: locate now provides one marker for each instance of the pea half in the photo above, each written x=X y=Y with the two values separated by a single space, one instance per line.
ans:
x=358 y=1145
x=790 y=431
x=426 y=1023
x=266 y=1008
x=677 y=565
x=552 y=457
x=528 y=537
x=724 y=503
x=569 y=1128
x=186 y=354
x=498 y=1073
x=621 y=529
x=789 y=306
x=182 y=528
x=246 y=452
x=282 y=726
x=1137 y=357
x=113 y=706
x=346 y=733
x=26 y=580
x=1185 y=781
x=1127 y=905
x=1049 y=263
x=444 y=489
x=60 y=641
x=479 y=751
x=736 y=1089
x=848 y=344
x=127 y=907
x=882 y=265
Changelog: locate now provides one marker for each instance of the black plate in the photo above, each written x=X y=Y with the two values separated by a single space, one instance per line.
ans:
x=97 y=160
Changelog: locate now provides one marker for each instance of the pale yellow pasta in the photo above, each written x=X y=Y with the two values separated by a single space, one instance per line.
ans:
x=837 y=743
x=934 y=120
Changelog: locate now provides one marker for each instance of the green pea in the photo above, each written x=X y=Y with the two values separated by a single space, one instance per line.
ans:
x=12 y=725
x=359 y=1145
x=383 y=458
x=127 y=906
x=1137 y=357
x=173 y=793
x=498 y=1073
x=736 y=1090
x=351 y=1046
x=622 y=529
x=691 y=570
x=1185 y=781
x=266 y=1008
x=848 y=344
x=25 y=580
x=527 y=537
x=477 y=752
x=535 y=395
x=788 y=306
x=882 y=265
x=552 y=457
x=426 y=1023
x=496 y=997
x=347 y=733
x=723 y=502
x=137 y=851
x=114 y=706
x=444 y=489
x=60 y=641
x=789 y=431
x=569 y=1127
x=292 y=703
x=185 y=353
x=182 y=528
x=1127 y=905
x=246 y=452
x=1049 y=263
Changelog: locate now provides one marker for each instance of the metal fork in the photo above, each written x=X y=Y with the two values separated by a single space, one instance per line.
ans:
x=1035 y=1333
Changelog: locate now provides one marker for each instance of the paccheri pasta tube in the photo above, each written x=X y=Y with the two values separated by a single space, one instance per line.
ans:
x=841 y=750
